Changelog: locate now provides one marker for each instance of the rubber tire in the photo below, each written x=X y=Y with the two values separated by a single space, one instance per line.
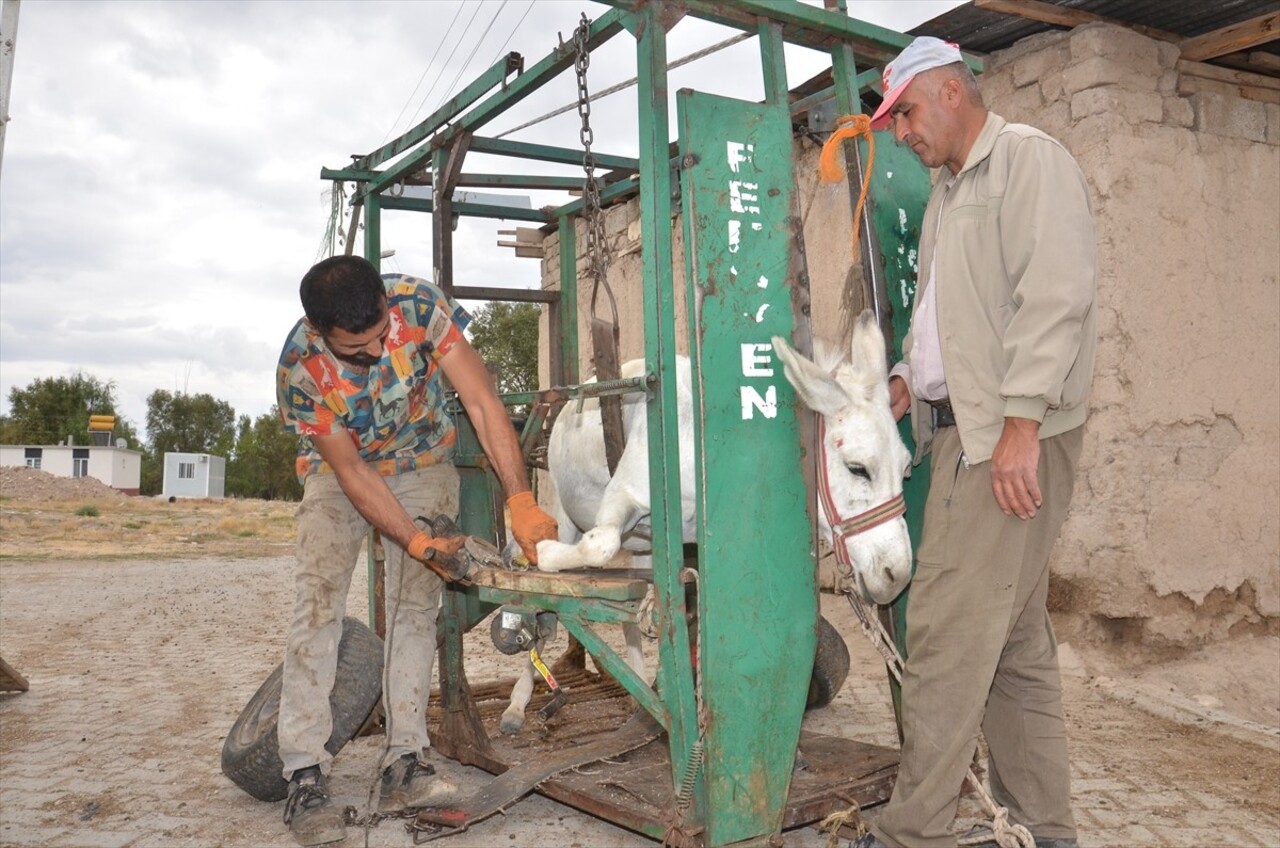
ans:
x=251 y=753
x=830 y=666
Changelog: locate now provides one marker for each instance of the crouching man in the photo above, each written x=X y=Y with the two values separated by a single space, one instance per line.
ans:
x=360 y=380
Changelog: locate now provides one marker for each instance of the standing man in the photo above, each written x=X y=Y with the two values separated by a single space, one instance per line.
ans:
x=360 y=379
x=996 y=378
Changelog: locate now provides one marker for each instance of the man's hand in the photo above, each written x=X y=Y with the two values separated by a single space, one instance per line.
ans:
x=899 y=397
x=530 y=525
x=1013 y=468
x=436 y=551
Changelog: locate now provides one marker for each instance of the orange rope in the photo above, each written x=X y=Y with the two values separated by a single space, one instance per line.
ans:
x=830 y=169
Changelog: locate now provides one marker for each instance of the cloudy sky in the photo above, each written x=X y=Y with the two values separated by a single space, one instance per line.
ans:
x=160 y=191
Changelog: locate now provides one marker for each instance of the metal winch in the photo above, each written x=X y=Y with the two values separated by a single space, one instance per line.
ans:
x=516 y=629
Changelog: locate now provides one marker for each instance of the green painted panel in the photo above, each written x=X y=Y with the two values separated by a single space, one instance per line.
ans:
x=757 y=594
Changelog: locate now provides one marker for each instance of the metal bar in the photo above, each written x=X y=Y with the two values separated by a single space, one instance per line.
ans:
x=609 y=193
x=519 y=181
x=568 y=306
x=804 y=25
x=509 y=64
x=613 y=665
x=867 y=80
x=549 y=153
x=446 y=164
x=564 y=394
x=373 y=231
x=472 y=210
x=675 y=672
x=505 y=295
x=844 y=72
x=602 y=29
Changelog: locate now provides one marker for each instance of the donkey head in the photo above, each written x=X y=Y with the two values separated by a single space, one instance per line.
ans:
x=863 y=457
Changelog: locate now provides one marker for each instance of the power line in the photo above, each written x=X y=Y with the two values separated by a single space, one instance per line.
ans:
x=467 y=63
x=436 y=82
x=684 y=60
x=513 y=32
x=425 y=71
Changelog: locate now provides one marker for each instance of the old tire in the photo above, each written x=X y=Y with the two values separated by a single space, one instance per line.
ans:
x=830 y=666
x=251 y=756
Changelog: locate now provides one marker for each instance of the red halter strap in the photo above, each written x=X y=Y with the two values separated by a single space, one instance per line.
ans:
x=860 y=523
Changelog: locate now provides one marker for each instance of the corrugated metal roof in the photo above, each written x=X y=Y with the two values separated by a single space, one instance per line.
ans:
x=986 y=30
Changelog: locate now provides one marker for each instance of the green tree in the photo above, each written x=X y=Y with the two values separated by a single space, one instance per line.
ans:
x=52 y=409
x=262 y=465
x=506 y=337
x=179 y=422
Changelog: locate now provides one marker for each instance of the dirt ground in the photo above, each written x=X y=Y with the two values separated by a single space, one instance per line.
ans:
x=144 y=629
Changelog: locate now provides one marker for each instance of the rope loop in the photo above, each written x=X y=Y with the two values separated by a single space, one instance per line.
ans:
x=830 y=169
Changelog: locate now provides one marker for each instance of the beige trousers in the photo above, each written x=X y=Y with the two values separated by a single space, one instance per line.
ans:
x=982 y=655
x=331 y=535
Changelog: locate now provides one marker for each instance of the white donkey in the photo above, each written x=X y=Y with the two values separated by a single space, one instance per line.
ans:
x=860 y=479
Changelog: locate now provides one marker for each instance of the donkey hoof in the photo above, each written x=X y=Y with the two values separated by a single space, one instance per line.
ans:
x=511 y=724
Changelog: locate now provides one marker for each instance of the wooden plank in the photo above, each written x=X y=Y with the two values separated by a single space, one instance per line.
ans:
x=605 y=584
x=1045 y=13
x=1241 y=36
x=10 y=680
x=1226 y=75
x=1264 y=61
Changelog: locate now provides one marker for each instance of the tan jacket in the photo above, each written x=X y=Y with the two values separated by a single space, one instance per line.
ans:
x=1016 y=265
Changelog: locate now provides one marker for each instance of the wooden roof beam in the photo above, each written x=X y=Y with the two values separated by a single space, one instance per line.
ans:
x=1229 y=39
x=1047 y=13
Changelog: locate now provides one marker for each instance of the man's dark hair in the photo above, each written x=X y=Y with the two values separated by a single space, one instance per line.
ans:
x=345 y=292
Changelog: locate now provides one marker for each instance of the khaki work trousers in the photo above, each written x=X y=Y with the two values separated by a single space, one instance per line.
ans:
x=982 y=655
x=331 y=535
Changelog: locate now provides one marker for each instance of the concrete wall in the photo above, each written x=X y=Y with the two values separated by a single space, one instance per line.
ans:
x=1174 y=533
x=119 y=468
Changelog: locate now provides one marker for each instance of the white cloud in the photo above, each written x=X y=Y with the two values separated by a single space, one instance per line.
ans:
x=161 y=192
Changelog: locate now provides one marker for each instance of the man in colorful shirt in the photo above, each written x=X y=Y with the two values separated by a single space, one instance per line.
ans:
x=360 y=379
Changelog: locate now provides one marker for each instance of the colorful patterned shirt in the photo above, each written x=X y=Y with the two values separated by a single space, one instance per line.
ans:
x=395 y=411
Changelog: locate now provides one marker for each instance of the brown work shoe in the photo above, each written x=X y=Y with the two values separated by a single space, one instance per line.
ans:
x=411 y=782
x=311 y=817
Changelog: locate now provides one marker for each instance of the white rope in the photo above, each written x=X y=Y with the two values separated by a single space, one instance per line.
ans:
x=684 y=60
x=1007 y=835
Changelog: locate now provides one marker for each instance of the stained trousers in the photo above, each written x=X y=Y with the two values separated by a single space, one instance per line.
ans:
x=331 y=534
x=982 y=654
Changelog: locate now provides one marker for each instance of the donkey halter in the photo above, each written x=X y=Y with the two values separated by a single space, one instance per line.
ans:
x=860 y=523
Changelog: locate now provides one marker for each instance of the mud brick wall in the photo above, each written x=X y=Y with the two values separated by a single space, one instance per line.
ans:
x=1174 y=533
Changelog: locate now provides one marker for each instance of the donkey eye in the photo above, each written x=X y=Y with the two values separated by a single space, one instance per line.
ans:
x=857 y=469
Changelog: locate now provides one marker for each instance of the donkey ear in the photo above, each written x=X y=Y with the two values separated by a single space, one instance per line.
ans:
x=818 y=391
x=867 y=349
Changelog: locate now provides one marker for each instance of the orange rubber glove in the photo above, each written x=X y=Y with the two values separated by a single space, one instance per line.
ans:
x=435 y=551
x=530 y=525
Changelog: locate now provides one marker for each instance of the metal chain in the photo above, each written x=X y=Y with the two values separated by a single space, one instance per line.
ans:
x=596 y=254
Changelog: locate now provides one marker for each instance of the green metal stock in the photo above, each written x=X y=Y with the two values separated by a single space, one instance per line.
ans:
x=756 y=577
x=675 y=674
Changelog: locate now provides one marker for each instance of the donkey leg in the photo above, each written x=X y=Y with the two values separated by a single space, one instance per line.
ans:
x=634 y=653
x=513 y=715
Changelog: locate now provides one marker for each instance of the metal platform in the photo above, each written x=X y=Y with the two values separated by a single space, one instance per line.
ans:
x=634 y=789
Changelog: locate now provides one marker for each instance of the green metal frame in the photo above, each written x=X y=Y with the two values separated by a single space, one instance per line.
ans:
x=732 y=735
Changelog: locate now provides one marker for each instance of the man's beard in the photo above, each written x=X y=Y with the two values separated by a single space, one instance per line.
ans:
x=359 y=360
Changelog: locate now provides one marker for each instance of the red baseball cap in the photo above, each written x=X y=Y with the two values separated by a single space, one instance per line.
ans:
x=923 y=54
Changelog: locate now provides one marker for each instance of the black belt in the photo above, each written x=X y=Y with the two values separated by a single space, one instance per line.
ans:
x=943 y=416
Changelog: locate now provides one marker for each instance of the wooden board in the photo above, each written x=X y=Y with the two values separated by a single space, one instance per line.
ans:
x=609 y=584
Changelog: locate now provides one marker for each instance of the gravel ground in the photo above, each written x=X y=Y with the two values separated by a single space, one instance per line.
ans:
x=138 y=667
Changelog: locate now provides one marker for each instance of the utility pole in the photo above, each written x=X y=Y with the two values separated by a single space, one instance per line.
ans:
x=8 y=44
